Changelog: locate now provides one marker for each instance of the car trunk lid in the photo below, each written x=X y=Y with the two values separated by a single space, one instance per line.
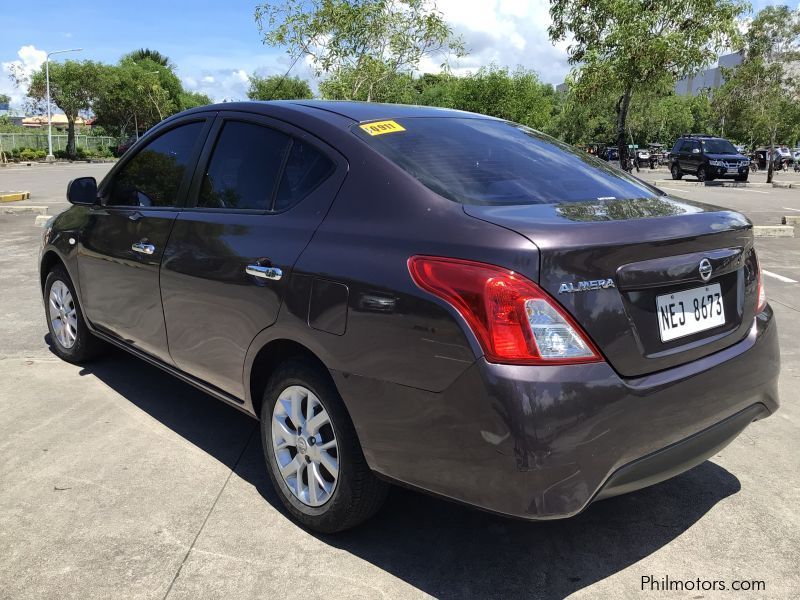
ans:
x=607 y=261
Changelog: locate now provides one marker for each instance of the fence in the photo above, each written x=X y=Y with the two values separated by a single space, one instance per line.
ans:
x=38 y=141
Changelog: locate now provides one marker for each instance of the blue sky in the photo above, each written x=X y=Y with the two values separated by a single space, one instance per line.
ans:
x=215 y=45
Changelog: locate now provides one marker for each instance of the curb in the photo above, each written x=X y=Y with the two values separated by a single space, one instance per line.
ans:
x=771 y=231
x=791 y=220
x=39 y=210
x=41 y=220
x=14 y=196
x=730 y=184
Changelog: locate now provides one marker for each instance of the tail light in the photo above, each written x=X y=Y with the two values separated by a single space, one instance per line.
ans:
x=515 y=321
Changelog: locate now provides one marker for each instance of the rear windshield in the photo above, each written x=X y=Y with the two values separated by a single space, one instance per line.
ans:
x=718 y=147
x=492 y=162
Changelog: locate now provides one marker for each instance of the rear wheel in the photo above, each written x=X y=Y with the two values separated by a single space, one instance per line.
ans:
x=70 y=337
x=676 y=171
x=312 y=452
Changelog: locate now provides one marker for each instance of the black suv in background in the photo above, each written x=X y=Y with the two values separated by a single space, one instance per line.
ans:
x=707 y=157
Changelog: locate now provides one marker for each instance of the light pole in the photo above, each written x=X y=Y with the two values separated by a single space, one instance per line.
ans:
x=50 y=156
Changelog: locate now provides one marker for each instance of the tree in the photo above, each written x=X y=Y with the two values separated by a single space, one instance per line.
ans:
x=517 y=95
x=194 y=99
x=4 y=99
x=362 y=43
x=276 y=87
x=760 y=97
x=622 y=47
x=133 y=98
x=74 y=86
x=151 y=55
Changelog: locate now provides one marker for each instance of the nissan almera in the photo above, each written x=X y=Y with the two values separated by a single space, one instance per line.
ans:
x=429 y=297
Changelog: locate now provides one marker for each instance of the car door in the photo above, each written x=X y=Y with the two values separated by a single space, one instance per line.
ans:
x=121 y=246
x=695 y=156
x=261 y=189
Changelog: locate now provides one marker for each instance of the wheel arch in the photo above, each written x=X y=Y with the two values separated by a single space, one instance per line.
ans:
x=50 y=259
x=268 y=358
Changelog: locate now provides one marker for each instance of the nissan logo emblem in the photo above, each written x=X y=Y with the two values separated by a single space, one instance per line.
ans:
x=705 y=269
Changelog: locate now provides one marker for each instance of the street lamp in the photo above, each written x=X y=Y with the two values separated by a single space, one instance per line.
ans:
x=50 y=156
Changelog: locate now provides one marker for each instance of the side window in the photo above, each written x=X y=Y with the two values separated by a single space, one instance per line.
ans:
x=695 y=146
x=678 y=147
x=244 y=167
x=305 y=169
x=154 y=175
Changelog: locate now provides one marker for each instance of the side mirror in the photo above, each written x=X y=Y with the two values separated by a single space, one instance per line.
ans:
x=83 y=191
x=695 y=150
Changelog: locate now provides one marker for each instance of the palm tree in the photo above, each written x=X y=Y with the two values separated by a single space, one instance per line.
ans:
x=148 y=54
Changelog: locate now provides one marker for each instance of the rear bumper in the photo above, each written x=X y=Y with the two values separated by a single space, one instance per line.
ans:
x=680 y=456
x=543 y=442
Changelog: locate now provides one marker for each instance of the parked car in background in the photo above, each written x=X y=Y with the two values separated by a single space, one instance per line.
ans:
x=643 y=158
x=449 y=301
x=707 y=157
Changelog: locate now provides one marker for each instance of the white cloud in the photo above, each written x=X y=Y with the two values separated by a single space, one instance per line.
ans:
x=30 y=60
x=507 y=32
x=219 y=84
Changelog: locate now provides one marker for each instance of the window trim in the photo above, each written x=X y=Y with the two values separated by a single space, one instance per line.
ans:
x=294 y=133
x=160 y=130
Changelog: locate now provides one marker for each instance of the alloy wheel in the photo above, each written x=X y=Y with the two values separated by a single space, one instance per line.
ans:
x=63 y=314
x=304 y=445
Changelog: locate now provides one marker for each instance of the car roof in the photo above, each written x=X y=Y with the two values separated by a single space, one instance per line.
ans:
x=355 y=111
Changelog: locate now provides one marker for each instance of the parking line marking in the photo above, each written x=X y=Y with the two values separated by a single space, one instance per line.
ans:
x=778 y=277
x=745 y=190
x=794 y=209
x=671 y=189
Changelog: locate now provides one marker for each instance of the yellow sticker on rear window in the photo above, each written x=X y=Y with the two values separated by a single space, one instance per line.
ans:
x=381 y=127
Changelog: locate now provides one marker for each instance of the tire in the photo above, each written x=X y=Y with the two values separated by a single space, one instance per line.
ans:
x=676 y=171
x=702 y=175
x=354 y=492
x=75 y=344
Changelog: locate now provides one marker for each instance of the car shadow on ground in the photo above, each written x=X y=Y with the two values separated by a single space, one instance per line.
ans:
x=441 y=548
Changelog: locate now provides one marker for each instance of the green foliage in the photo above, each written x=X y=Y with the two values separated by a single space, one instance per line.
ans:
x=5 y=98
x=194 y=99
x=518 y=96
x=140 y=92
x=155 y=56
x=74 y=86
x=358 y=44
x=277 y=87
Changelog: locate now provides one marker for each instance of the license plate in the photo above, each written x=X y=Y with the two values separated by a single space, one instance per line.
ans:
x=690 y=311
x=733 y=170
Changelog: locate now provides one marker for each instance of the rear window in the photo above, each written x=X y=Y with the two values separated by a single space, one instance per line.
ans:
x=490 y=162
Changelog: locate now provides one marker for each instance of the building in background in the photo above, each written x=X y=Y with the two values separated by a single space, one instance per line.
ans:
x=710 y=79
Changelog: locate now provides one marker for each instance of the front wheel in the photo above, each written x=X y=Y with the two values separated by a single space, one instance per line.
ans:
x=71 y=339
x=312 y=452
x=702 y=175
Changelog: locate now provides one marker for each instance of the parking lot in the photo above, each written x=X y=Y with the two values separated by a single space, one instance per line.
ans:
x=119 y=481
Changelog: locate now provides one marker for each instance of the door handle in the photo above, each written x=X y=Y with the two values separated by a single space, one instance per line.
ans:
x=143 y=248
x=273 y=273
